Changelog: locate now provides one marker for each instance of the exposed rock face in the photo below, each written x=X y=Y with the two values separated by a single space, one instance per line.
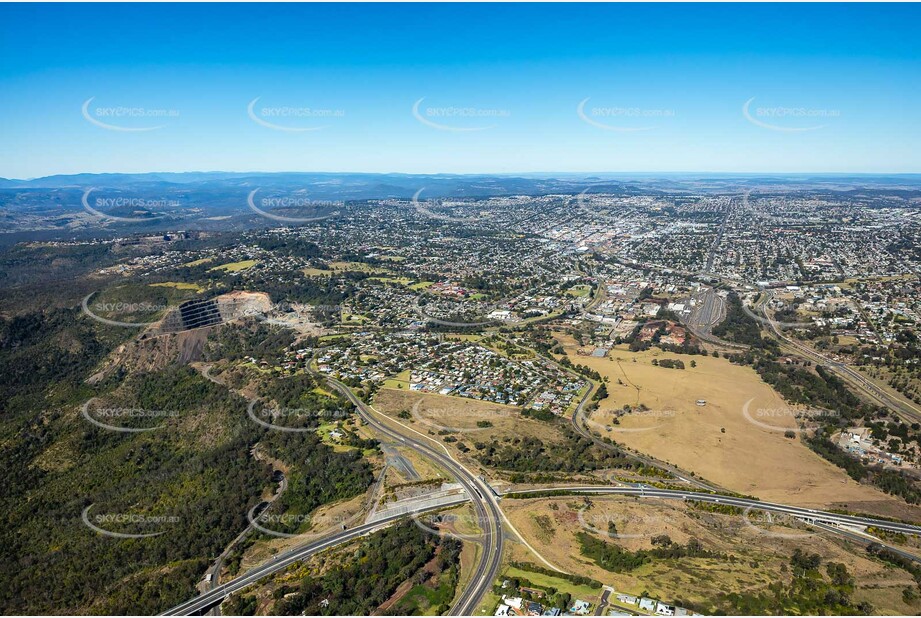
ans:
x=180 y=336
x=211 y=312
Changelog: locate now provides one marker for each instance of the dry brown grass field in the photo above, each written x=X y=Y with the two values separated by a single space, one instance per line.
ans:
x=717 y=441
x=551 y=525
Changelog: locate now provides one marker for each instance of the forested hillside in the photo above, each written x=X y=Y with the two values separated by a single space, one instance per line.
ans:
x=189 y=480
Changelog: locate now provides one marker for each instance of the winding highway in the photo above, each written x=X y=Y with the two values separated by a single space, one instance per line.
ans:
x=205 y=601
x=809 y=515
x=484 y=500
x=865 y=541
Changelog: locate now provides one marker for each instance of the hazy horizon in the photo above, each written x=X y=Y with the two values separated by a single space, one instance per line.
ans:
x=536 y=174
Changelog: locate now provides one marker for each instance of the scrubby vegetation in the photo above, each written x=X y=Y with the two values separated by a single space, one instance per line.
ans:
x=889 y=481
x=739 y=327
x=45 y=355
x=259 y=340
x=612 y=557
x=530 y=454
x=575 y=579
x=818 y=388
x=809 y=592
x=379 y=565
x=318 y=475
x=303 y=401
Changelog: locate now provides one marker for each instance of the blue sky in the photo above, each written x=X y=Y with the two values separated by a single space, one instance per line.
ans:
x=829 y=88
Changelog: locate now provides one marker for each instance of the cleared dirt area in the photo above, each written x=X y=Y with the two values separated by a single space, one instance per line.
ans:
x=423 y=468
x=760 y=559
x=741 y=448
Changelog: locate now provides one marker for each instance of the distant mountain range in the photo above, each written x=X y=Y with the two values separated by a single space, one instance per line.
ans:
x=356 y=186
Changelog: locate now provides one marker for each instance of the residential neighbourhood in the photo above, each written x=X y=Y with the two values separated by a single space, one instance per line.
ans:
x=609 y=603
